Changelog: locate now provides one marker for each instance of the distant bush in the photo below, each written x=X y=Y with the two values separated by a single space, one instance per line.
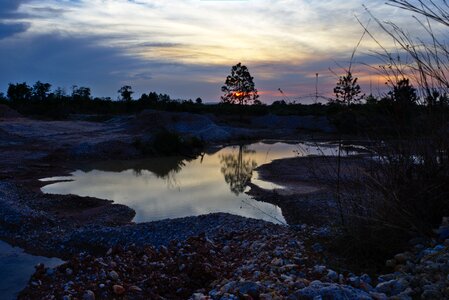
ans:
x=170 y=143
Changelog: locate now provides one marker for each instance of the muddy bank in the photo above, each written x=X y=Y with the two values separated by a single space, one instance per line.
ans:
x=309 y=186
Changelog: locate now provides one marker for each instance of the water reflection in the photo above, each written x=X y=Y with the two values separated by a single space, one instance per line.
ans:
x=237 y=169
x=16 y=267
x=165 y=168
x=173 y=187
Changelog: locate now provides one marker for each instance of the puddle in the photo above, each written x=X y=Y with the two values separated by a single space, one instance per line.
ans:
x=16 y=268
x=173 y=187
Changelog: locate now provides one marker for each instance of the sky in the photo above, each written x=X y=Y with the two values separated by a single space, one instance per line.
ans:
x=186 y=48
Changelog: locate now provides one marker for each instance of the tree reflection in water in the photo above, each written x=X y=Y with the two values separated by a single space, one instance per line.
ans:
x=238 y=170
x=165 y=167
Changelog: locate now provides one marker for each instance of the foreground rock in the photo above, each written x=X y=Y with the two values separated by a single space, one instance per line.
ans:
x=269 y=262
x=421 y=273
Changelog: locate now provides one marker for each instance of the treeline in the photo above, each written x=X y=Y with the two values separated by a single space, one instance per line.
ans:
x=39 y=100
x=401 y=108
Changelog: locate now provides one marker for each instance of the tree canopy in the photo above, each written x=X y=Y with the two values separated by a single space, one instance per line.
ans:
x=239 y=86
x=347 y=90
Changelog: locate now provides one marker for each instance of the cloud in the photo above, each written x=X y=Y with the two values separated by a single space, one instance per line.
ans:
x=7 y=30
x=9 y=25
x=184 y=48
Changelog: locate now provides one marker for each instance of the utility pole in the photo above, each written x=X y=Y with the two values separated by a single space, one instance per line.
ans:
x=316 y=88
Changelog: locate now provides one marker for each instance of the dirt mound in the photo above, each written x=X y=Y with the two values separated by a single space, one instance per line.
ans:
x=8 y=113
x=186 y=124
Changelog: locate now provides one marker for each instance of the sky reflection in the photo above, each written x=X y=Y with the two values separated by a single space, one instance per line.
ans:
x=213 y=183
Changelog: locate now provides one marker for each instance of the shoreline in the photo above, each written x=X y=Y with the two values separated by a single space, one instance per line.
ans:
x=53 y=148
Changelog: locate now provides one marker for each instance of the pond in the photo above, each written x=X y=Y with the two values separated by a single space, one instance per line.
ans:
x=16 y=268
x=173 y=187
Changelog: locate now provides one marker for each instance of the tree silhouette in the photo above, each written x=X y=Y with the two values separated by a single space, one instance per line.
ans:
x=41 y=90
x=126 y=93
x=239 y=86
x=404 y=93
x=236 y=170
x=19 y=91
x=348 y=90
x=80 y=93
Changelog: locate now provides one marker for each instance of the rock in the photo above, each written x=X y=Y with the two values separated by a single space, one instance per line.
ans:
x=228 y=287
x=256 y=275
x=324 y=232
x=249 y=288
x=319 y=270
x=386 y=277
x=431 y=294
x=400 y=258
x=392 y=287
x=265 y=297
x=226 y=249
x=277 y=262
x=198 y=296
x=333 y=291
x=69 y=271
x=365 y=278
x=354 y=281
x=118 y=289
x=378 y=296
x=114 y=275
x=405 y=295
x=443 y=232
x=332 y=275
x=89 y=295
x=317 y=247
x=135 y=289
x=391 y=263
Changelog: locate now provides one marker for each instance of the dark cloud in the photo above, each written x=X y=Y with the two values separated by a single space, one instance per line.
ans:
x=9 y=7
x=8 y=12
x=159 y=45
x=7 y=30
x=65 y=61
x=47 y=11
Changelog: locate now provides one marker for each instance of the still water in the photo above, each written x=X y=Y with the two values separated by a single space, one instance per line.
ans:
x=16 y=268
x=173 y=187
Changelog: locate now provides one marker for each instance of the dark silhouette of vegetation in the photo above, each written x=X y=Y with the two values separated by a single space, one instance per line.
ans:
x=170 y=143
x=19 y=92
x=59 y=104
x=403 y=191
x=40 y=91
x=126 y=93
x=348 y=91
x=81 y=93
x=239 y=87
